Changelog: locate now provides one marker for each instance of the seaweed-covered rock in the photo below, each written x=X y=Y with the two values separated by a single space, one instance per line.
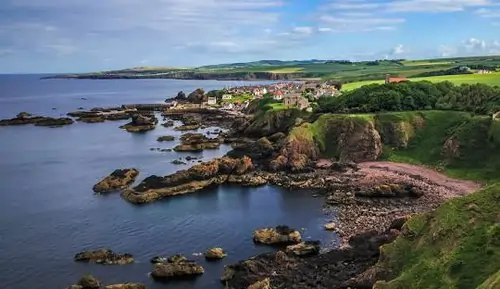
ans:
x=104 y=257
x=276 y=236
x=117 y=180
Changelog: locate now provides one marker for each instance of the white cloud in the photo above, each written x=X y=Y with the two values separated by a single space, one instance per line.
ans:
x=408 y=5
x=303 y=30
x=470 y=47
x=488 y=13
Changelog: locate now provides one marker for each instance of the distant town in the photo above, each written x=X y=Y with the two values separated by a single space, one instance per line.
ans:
x=286 y=94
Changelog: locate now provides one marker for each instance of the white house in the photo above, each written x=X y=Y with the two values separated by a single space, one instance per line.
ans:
x=278 y=95
x=212 y=100
x=227 y=96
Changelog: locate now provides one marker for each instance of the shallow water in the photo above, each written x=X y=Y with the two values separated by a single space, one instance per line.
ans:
x=48 y=211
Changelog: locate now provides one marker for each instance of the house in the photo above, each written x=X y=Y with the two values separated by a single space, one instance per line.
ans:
x=389 y=79
x=212 y=100
x=296 y=100
x=256 y=92
x=227 y=96
x=278 y=95
x=482 y=71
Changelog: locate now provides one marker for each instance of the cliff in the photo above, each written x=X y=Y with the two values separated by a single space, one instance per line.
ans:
x=456 y=246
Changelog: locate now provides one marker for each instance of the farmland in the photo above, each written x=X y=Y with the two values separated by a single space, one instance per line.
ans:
x=491 y=79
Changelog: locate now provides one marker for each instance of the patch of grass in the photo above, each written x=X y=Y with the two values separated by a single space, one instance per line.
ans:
x=456 y=246
x=425 y=62
x=286 y=70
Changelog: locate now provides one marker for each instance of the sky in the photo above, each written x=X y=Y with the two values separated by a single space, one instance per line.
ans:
x=58 y=36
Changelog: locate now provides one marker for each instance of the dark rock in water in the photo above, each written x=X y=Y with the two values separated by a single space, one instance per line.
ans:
x=276 y=236
x=54 y=108
x=104 y=257
x=178 y=162
x=141 y=123
x=126 y=286
x=215 y=254
x=158 y=260
x=90 y=282
x=54 y=122
x=166 y=138
x=306 y=248
x=168 y=123
x=196 y=142
x=83 y=98
x=190 y=158
x=166 y=150
x=26 y=118
x=177 y=258
x=117 y=180
x=81 y=108
x=23 y=114
x=92 y=119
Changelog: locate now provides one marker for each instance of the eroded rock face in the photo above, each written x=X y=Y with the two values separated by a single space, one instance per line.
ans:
x=104 y=257
x=193 y=179
x=177 y=267
x=276 y=236
x=359 y=143
x=117 y=180
x=141 y=123
x=215 y=254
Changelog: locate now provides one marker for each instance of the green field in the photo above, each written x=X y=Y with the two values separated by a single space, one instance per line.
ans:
x=490 y=79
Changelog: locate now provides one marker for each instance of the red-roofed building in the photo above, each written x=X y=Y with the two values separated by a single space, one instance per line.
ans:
x=389 y=79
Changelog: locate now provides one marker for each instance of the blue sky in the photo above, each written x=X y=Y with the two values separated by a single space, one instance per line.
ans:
x=85 y=35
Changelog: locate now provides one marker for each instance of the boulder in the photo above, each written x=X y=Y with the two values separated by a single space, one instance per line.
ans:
x=23 y=114
x=158 y=260
x=126 y=286
x=141 y=123
x=331 y=226
x=88 y=282
x=176 y=259
x=166 y=138
x=104 y=257
x=215 y=254
x=177 y=162
x=168 y=123
x=117 y=180
x=277 y=236
x=306 y=248
x=264 y=284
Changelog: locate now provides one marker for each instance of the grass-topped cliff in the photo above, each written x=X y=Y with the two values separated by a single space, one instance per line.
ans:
x=456 y=246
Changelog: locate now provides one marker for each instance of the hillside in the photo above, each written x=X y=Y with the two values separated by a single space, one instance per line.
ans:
x=342 y=70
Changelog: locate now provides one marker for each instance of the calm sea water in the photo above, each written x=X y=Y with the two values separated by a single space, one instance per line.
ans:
x=48 y=211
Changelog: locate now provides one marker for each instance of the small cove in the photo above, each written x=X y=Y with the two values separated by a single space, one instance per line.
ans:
x=49 y=212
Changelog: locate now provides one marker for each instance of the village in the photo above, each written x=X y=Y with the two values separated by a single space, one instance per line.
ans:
x=289 y=94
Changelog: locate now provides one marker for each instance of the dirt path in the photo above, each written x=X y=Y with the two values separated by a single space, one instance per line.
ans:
x=459 y=187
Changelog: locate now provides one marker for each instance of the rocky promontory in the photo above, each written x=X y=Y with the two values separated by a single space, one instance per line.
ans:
x=104 y=257
x=117 y=180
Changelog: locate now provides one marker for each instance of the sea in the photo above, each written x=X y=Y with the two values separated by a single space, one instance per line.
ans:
x=48 y=211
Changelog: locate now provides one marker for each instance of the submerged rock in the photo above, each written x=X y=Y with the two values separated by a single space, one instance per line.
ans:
x=215 y=254
x=117 y=180
x=104 y=257
x=276 y=236
x=166 y=138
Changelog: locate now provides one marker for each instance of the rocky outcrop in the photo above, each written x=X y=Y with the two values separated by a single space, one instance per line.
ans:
x=215 y=254
x=104 y=257
x=199 y=176
x=297 y=153
x=196 y=142
x=90 y=282
x=187 y=127
x=197 y=96
x=140 y=123
x=333 y=269
x=117 y=180
x=258 y=150
x=269 y=123
x=166 y=138
x=177 y=267
x=264 y=284
x=168 y=123
x=306 y=248
x=26 y=118
x=280 y=235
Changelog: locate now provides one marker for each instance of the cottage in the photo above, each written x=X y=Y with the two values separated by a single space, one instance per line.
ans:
x=389 y=79
x=297 y=101
x=227 y=96
x=212 y=100
x=278 y=95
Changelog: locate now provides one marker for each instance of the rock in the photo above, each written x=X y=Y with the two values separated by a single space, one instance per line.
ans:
x=178 y=270
x=330 y=226
x=166 y=138
x=117 y=180
x=278 y=235
x=194 y=148
x=23 y=115
x=190 y=158
x=93 y=119
x=306 y=248
x=168 y=123
x=126 y=286
x=88 y=282
x=54 y=122
x=158 y=260
x=196 y=142
x=176 y=259
x=178 y=162
x=197 y=96
x=264 y=284
x=187 y=127
x=104 y=257
x=215 y=254
x=140 y=123
x=26 y=118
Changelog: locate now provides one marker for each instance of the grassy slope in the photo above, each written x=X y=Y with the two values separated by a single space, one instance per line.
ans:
x=456 y=246
x=491 y=79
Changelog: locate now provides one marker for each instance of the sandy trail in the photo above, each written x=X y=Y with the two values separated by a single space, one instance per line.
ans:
x=459 y=187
